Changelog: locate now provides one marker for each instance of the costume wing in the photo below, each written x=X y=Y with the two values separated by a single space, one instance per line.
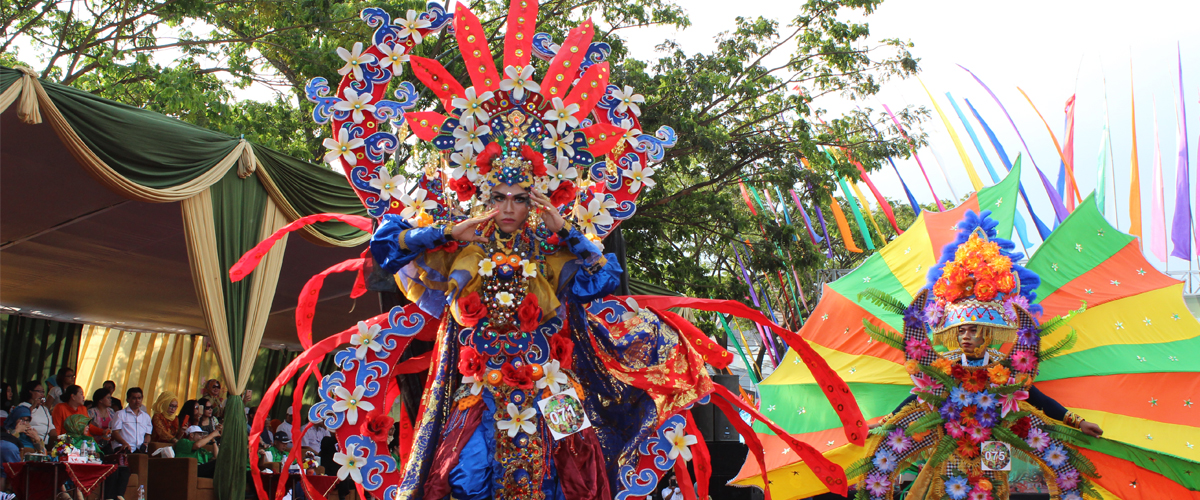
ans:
x=1134 y=367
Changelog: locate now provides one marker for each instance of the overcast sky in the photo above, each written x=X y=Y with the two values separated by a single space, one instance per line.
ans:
x=1051 y=49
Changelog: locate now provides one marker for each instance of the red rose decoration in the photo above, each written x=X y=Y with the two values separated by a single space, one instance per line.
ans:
x=377 y=427
x=470 y=310
x=521 y=378
x=484 y=160
x=564 y=194
x=535 y=159
x=1021 y=427
x=449 y=247
x=562 y=349
x=464 y=187
x=529 y=313
x=470 y=363
x=958 y=372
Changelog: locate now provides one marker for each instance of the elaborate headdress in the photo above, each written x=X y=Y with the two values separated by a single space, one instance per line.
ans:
x=572 y=136
x=977 y=282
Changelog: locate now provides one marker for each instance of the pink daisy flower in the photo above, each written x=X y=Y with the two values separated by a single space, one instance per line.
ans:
x=955 y=429
x=899 y=441
x=1038 y=439
x=978 y=434
x=1023 y=361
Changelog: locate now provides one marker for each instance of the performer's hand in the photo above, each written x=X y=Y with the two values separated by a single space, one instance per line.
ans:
x=554 y=221
x=465 y=230
x=1091 y=429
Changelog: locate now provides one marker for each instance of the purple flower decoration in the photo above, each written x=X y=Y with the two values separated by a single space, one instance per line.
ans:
x=934 y=312
x=885 y=460
x=1068 y=480
x=878 y=484
x=898 y=441
x=1010 y=310
x=949 y=412
x=985 y=399
x=1028 y=336
x=986 y=417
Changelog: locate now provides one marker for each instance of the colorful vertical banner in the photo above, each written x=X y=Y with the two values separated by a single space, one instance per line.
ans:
x=976 y=182
x=1069 y=150
x=843 y=226
x=1158 y=218
x=1018 y=221
x=866 y=208
x=1102 y=163
x=746 y=197
x=1135 y=182
x=941 y=208
x=1060 y=210
x=1071 y=187
x=824 y=229
x=858 y=217
x=1043 y=230
x=807 y=222
x=1181 y=225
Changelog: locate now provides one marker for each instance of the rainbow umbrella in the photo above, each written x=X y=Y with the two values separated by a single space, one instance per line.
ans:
x=1132 y=370
x=875 y=372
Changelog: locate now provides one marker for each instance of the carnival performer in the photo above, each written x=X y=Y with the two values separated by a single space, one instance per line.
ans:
x=541 y=384
x=974 y=406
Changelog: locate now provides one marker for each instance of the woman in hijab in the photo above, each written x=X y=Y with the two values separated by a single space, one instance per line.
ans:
x=166 y=427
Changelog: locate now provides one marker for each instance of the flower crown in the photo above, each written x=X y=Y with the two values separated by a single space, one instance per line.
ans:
x=572 y=136
x=977 y=282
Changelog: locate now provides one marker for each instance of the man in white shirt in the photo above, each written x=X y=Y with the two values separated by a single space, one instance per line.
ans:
x=132 y=427
x=312 y=438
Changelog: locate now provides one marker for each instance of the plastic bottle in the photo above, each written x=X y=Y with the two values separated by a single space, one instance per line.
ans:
x=141 y=492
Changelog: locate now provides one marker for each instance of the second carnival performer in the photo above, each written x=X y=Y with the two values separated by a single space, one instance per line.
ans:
x=975 y=406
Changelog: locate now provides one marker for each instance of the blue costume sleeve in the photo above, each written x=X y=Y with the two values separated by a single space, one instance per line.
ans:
x=386 y=247
x=600 y=274
x=909 y=399
x=1047 y=404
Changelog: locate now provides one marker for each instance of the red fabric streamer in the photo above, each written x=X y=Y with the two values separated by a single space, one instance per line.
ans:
x=752 y=441
x=836 y=389
x=831 y=474
x=250 y=260
x=702 y=461
x=883 y=203
x=746 y=196
x=309 y=295
x=713 y=353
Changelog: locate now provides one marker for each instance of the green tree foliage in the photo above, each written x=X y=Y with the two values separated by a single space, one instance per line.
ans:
x=747 y=111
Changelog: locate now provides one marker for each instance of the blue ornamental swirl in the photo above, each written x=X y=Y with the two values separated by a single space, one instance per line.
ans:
x=597 y=52
x=379 y=143
x=624 y=210
x=634 y=485
x=374 y=465
x=399 y=326
x=437 y=16
x=368 y=371
x=543 y=46
x=316 y=91
x=322 y=411
x=655 y=147
x=610 y=104
x=609 y=311
x=659 y=446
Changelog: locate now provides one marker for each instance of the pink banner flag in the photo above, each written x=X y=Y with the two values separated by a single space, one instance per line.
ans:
x=1158 y=219
x=941 y=208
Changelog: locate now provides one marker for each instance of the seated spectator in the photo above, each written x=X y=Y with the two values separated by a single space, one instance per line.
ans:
x=33 y=396
x=72 y=404
x=103 y=418
x=133 y=426
x=112 y=391
x=189 y=414
x=286 y=425
x=63 y=379
x=166 y=426
x=192 y=445
x=208 y=422
x=312 y=438
x=278 y=451
x=19 y=432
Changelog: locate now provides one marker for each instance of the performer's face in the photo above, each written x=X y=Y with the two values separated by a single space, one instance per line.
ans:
x=513 y=205
x=970 y=338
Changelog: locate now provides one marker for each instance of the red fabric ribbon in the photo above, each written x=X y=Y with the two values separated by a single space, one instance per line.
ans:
x=250 y=259
x=701 y=461
x=746 y=196
x=713 y=353
x=836 y=389
x=311 y=293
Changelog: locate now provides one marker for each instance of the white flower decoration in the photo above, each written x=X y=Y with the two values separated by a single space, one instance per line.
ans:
x=354 y=60
x=680 y=441
x=365 y=339
x=629 y=100
x=518 y=81
x=351 y=402
x=486 y=267
x=472 y=104
x=592 y=215
x=529 y=269
x=409 y=26
x=416 y=204
x=639 y=175
x=564 y=116
x=518 y=421
x=350 y=464
x=389 y=187
x=634 y=309
x=394 y=56
x=506 y=299
x=468 y=135
x=561 y=172
x=631 y=133
x=342 y=146
x=466 y=165
x=561 y=144
x=476 y=384
x=553 y=377
x=355 y=103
